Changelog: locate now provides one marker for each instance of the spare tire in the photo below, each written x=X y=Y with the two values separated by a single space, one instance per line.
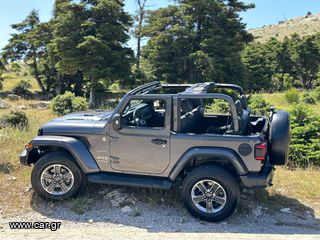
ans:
x=279 y=138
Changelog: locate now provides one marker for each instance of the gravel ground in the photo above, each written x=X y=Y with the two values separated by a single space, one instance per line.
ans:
x=122 y=213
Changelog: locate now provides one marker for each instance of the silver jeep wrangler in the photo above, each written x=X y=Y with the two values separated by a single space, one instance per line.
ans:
x=195 y=135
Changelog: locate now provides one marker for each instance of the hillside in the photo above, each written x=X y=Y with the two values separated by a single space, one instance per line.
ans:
x=306 y=25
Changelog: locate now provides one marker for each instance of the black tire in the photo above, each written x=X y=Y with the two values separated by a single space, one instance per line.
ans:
x=60 y=158
x=279 y=138
x=220 y=176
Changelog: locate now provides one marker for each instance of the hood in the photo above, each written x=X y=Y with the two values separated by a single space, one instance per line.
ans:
x=79 y=122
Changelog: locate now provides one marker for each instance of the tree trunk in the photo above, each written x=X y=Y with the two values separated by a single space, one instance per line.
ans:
x=58 y=83
x=91 y=97
x=36 y=71
x=141 y=13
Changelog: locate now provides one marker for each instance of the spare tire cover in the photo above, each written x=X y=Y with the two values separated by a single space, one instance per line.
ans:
x=279 y=138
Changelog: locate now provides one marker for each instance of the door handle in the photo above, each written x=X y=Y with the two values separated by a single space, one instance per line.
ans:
x=159 y=141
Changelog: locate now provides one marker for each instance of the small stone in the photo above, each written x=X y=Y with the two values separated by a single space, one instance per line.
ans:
x=257 y=211
x=28 y=189
x=182 y=220
x=12 y=178
x=21 y=107
x=40 y=105
x=135 y=213
x=13 y=97
x=285 y=210
x=119 y=198
x=90 y=221
x=4 y=105
x=49 y=212
x=126 y=209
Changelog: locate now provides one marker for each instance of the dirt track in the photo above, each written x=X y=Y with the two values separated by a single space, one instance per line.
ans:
x=100 y=215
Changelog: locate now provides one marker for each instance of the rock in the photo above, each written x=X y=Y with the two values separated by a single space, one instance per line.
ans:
x=126 y=209
x=257 y=211
x=21 y=107
x=119 y=198
x=12 y=178
x=285 y=210
x=4 y=105
x=135 y=213
x=90 y=221
x=40 y=105
x=28 y=189
x=13 y=97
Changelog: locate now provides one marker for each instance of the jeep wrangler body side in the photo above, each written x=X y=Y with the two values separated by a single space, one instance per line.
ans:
x=153 y=139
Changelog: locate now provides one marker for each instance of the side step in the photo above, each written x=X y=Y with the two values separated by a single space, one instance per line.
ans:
x=130 y=180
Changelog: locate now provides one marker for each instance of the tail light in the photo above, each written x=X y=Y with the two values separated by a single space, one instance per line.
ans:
x=260 y=151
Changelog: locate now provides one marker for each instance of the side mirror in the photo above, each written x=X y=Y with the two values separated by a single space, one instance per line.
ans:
x=116 y=122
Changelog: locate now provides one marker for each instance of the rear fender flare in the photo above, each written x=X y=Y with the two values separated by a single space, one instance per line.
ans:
x=223 y=154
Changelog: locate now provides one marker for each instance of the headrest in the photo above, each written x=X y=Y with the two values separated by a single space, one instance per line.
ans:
x=239 y=108
x=244 y=102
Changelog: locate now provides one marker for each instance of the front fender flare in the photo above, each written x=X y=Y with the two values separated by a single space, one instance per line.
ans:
x=74 y=146
x=223 y=154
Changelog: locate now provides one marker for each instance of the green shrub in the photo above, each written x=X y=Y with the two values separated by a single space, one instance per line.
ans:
x=22 y=89
x=308 y=98
x=258 y=105
x=316 y=93
x=15 y=67
x=292 y=96
x=67 y=103
x=16 y=119
x=305 y=137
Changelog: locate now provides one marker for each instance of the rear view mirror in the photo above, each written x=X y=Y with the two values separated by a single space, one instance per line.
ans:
x=116 y=123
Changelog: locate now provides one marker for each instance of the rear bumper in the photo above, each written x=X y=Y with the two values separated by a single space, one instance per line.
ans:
x=259 y=180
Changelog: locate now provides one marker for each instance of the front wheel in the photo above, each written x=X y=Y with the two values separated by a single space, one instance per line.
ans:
x=55 y=176
x=210 y=193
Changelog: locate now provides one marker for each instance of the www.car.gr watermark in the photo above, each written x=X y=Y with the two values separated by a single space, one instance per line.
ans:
x=53 y=226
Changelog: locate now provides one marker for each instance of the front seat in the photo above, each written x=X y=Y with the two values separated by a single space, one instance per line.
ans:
x=244 y=119
x=186 y=116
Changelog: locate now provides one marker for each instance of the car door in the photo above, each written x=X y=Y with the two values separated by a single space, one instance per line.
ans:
x=141 y=149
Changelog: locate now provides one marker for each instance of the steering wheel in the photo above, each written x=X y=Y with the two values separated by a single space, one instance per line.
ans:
x=140 y=119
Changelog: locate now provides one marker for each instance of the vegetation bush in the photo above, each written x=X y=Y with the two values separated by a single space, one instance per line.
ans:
x=292 y=96
x=316 y=93
x=22 y=89
x=15 y=67
x=16 y=119
x=308 y=98
x=305 y=137
x=258 y=105
x=67 y=103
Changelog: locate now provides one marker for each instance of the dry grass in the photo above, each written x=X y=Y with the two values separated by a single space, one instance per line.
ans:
x=11 y=79
x=301 y=25
x=279 y=100
x=301 y=184
x=17 y=197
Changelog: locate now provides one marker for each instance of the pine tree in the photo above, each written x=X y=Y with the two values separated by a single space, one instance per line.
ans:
x=196 y=41
x=90 y=38
x=27 y=45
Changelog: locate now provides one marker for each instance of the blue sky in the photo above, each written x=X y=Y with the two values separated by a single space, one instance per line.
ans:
x=266 y=11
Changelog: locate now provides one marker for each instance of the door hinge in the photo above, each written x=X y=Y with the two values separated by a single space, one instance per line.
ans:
x=114 y=159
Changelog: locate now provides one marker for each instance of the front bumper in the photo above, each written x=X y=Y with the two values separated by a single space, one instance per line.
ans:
x=259 y=180
x=24 y=157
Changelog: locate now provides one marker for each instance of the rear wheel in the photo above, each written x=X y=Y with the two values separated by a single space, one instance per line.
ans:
x=55 y=176
x=210 y=193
